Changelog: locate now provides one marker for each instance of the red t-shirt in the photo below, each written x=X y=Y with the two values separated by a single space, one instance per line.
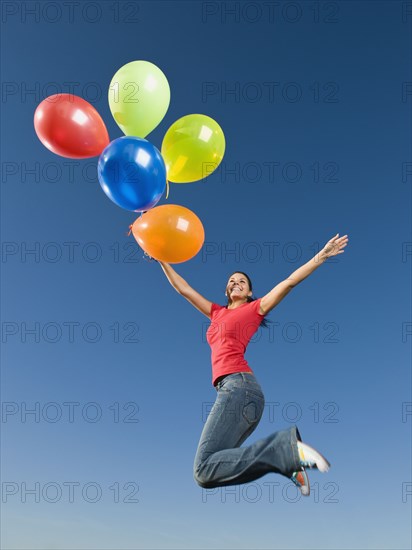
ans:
x=228 y=335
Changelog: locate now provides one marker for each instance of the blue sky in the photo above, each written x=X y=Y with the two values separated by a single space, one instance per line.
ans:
x=314 y=100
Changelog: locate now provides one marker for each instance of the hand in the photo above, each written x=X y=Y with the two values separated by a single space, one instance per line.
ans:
x=335 y=245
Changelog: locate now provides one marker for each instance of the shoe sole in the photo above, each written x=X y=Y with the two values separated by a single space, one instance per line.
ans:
x=305 y=488
x=322 y=464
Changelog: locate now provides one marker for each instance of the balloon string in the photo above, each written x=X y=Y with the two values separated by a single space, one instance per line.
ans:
x=167 y=192
x=148 y=258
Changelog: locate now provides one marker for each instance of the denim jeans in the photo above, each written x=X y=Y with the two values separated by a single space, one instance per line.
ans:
x=235 y=414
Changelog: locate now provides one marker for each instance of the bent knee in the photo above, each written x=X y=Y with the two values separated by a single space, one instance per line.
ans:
x=202 y=479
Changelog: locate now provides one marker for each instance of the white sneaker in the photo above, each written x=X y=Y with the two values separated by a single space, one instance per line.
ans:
x=310 y=458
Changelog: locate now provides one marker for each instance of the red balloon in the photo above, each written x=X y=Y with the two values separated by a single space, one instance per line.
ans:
x=70 y=127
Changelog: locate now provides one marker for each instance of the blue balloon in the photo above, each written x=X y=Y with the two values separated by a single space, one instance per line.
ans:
x=132 y=173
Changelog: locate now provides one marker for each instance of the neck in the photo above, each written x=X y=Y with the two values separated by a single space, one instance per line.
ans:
x=235 y=304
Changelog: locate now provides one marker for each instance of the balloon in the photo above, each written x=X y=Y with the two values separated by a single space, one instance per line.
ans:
x=169 y=233
x=70 y=127
x=132 y=173
x=139 y=96
x=193 y=147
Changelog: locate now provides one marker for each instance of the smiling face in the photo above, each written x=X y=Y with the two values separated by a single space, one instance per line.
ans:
x=237 y=288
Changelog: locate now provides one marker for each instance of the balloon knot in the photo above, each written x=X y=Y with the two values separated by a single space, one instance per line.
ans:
x=130 y=230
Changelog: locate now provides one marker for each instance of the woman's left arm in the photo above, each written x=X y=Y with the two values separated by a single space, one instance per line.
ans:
x=333 y=247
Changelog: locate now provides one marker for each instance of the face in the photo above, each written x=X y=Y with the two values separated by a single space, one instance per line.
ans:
x=237 y=288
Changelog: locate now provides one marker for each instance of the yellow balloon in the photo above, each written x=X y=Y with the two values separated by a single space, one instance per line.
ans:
x=139 y=96
x=192 y=148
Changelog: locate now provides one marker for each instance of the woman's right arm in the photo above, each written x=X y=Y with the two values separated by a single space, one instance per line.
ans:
x=183 y=288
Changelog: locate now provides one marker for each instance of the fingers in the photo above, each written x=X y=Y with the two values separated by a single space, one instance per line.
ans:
x=343 y=244
x=336 y=244
x=339 y=239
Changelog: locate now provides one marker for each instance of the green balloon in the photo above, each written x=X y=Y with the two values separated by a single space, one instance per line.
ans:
x=139 y=96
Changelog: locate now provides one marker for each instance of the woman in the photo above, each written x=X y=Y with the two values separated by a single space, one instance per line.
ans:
x=239 y=404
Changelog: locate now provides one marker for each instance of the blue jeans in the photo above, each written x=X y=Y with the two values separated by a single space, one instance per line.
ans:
x=235 y=414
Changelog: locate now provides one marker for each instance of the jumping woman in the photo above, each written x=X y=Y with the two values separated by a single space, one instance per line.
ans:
x=220 y=460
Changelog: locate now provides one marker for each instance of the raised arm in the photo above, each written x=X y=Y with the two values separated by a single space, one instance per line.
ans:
x=183 y=288
x=276 y=295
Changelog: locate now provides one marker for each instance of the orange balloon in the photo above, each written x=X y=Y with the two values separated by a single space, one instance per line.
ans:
x=170 y=233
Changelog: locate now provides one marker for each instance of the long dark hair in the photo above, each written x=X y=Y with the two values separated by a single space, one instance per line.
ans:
x=265 y=322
